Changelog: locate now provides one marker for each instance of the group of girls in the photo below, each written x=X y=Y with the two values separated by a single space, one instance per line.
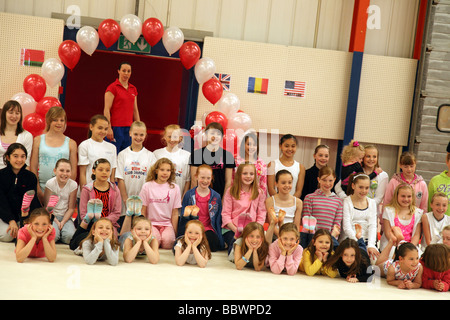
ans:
x=279 y=216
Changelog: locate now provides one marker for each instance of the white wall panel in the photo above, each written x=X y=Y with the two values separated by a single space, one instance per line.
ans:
x=304 y=25
x=335 y=24
x=395 y=37
x=281 y=22
x=156 y=9
x=231 y=21
x=103 y=9
x=44 y=8
x=182 y=13
x=257 y=20
x=206 y=15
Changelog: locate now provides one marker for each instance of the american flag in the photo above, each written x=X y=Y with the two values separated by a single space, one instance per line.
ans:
x=225 y=79
x=295 y=89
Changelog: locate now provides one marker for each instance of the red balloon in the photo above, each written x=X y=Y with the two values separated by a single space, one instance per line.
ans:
x=230 y=141
x=35 y=86
x=217 y=116
x=34 y=124
x=69 y=52
x=45 y=104
x=152 y=30
x=212 y=90
x=189 y=54
x=109 y=32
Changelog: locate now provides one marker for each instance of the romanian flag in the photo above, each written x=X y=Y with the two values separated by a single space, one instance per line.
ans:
x=258 y=85
x=33 y=58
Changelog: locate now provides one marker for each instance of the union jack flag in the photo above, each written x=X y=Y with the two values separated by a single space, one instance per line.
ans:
x=225 y=79
x=294 y=89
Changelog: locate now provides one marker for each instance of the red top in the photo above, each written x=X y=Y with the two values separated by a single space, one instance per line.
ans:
x=428 y=277
x=203 y=214
x=38 y=248
x=123 y=104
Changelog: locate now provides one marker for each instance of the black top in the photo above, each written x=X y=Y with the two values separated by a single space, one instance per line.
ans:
x=12 y=189
x=219 y=161
x=311 y=184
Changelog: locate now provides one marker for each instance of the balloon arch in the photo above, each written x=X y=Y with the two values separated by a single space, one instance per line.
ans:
x=35 y=104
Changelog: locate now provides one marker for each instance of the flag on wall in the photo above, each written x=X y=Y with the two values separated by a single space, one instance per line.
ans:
x=294 y=89
x=225 y=80
x=34 y=58
x=258 y=85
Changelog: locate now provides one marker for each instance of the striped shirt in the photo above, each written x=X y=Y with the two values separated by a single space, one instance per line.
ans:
x=326 y=209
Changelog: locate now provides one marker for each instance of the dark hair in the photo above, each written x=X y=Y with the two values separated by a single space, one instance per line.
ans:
x=94 y=120
x=11 y=104
x=122 y=63
x=336 y=258
x=214 y=125
x=287 y=137
x=96 y=163
x=312 y=248
x=12 y=147
x=353 y=178
x=403 y=249
x=281 y=172
x=253 y=136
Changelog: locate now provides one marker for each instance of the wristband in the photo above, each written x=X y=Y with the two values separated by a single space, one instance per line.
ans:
x=245 y=259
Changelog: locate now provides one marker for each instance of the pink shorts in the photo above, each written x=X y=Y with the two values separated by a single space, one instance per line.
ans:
x=165 y=236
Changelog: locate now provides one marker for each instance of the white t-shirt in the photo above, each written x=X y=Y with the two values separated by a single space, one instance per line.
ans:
x=436 y=228
x=132 y=168
x=63 y=193
x=180 y=159
x=89 y=151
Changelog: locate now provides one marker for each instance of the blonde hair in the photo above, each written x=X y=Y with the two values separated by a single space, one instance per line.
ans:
x=394 y=202
x=349 y=151
x=152 y=175
x=173 y=127
x=373 y=147
x=114 y=243
x=236 y=187
x=138 y=124
x=52 y=114
x=438 y=194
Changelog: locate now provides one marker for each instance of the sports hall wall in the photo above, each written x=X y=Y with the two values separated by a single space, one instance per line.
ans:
x=310 y=24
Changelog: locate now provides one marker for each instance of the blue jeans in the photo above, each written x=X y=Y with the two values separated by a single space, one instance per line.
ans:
x=122 y=137
x=67 y=231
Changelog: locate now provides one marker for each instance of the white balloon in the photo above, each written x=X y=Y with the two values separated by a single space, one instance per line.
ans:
x=26 y=101
x=204 y=69
x=229 y=104
x=172 y=39
x=131 y=27
x=52 y=71
x=88 y=39
x=240 y=120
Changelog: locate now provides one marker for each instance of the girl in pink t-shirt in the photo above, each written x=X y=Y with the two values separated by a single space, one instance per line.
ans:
x=37 y=238
x=161 y=200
